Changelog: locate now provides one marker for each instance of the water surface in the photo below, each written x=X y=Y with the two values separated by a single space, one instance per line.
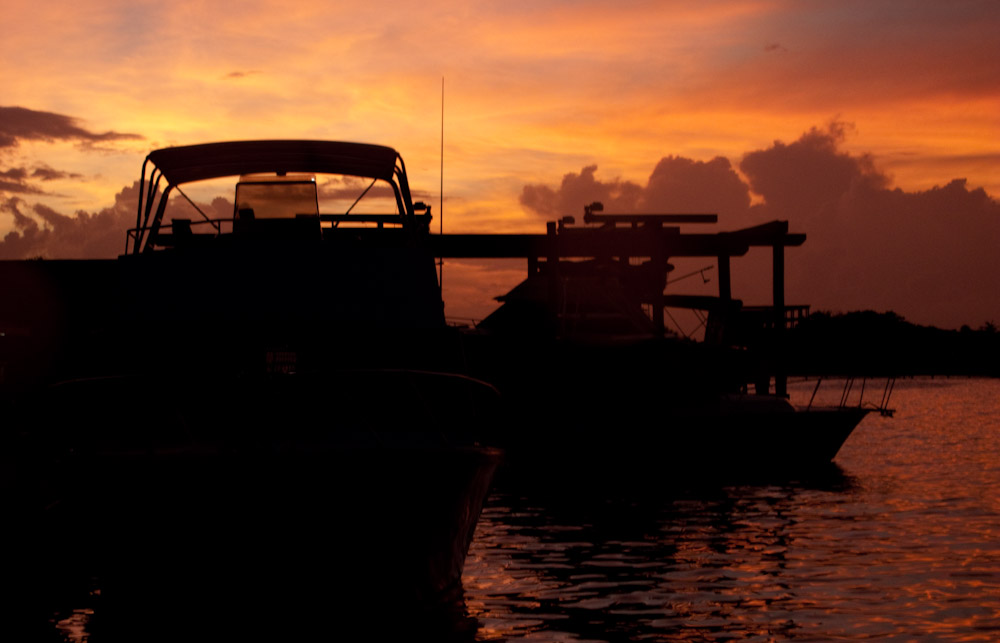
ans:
x=897 y=541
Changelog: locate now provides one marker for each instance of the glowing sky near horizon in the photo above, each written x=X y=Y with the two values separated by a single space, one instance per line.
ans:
x=533 y=90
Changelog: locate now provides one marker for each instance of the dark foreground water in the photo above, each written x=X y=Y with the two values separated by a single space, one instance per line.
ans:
x=899 y=541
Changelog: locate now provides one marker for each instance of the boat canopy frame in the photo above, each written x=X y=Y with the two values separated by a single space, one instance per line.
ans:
x=186 y=164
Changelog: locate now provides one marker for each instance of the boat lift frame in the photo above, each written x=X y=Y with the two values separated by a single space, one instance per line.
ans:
x=648 y=237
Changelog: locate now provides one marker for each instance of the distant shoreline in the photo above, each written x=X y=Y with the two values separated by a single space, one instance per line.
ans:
x=885 y=344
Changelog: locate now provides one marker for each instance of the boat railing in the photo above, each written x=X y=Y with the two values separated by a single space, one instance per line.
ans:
x=763 y=317
x=423 y=220
x=186 y=231
x=729 y=320
x=179 y=230
x=850 y=385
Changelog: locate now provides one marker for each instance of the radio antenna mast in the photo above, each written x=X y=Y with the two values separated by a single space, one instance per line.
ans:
x=441 y=192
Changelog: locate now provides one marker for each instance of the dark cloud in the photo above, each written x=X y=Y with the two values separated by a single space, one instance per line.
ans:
x=800 y=179
x=682 y=185
x=929 y=255
x=579 y=190
x=15 y=181
x=20 y=124
x=45 y=173
x=40 y=231
x=241 y=74
x=16 y=174
x=676 y=185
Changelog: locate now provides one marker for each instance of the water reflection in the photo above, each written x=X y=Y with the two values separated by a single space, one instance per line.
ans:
x=173 y=617
x=896 y=542
x=682 y=563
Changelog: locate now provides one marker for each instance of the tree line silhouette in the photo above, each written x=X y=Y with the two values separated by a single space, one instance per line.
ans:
x=879 y=344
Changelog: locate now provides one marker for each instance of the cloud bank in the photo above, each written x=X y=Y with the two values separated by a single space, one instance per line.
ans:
x=678 y=184
x=931 y=255
x=40 y=231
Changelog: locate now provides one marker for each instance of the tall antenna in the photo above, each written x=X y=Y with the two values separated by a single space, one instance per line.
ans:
x=441 y=192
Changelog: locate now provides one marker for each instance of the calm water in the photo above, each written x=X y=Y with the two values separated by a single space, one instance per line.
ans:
x=899 y=541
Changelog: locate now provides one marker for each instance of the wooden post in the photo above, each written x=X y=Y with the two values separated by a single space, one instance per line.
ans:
x=659 y=264
x=552 y=267
x=725 y=279
x=778 y=303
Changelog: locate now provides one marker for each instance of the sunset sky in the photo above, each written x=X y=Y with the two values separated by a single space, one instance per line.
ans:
x=873 y=126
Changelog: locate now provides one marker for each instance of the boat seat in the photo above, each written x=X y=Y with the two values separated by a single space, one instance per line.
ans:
x=303 y=227
x=243 y=223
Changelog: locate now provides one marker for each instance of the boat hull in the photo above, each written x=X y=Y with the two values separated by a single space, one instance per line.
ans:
x=318 y=536
x=198 y=510
x=659 y=407
x=683 y=444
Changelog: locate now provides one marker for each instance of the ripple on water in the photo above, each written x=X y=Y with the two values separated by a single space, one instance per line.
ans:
x=900 y=544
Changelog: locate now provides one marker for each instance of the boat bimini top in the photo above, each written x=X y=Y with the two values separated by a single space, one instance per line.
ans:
x=276 y=162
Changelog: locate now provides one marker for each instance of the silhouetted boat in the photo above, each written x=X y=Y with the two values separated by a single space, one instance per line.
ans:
x=580 y=350
x=259 y=405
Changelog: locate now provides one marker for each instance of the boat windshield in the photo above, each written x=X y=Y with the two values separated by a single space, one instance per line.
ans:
x=277 y=197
